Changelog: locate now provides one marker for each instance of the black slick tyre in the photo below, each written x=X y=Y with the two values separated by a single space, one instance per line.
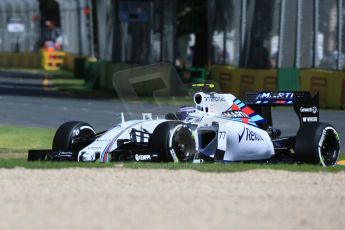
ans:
x=174 y=141
x=317 y=143
x=70 y=131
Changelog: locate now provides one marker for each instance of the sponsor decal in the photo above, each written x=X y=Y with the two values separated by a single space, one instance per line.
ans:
x=309 y=119
x=194 y=119
x=323 y=137
x=309 y=110
x=280 y=98
x=249 y=135
x=142 y=157
x=103 y=140
x=76 y=132
x=285 y=95
x=321 y=141
x=235 y=114
x=277 y=96
x=65 y=153
x=95 y=147
x=214 y=99
x=173 y=155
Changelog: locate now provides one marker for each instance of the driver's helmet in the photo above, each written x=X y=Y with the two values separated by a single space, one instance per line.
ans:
x=183 y=112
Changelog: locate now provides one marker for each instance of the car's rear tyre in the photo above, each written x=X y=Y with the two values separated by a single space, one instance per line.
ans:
x=174 y=140
x=317 y=143
x=68 y=132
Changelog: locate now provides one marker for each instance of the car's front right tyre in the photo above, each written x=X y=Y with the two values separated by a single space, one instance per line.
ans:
x=174 y=140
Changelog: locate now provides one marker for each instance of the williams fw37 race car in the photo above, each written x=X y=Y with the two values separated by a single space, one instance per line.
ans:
x=218 y=128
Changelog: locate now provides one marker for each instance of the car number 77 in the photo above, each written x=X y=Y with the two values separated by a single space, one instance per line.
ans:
x=221 y=134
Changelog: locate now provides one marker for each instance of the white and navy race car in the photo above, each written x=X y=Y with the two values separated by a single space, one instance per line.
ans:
x=219 y=127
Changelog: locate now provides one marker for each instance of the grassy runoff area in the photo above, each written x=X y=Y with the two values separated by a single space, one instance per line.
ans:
x=16 y=140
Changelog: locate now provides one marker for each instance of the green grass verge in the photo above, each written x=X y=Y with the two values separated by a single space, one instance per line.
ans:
x=64 y=81
x=209 y=167
x=70 y=85
x=16 y=140
x=233 y=167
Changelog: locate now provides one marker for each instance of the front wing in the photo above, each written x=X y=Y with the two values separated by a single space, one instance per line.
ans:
x=135 y=154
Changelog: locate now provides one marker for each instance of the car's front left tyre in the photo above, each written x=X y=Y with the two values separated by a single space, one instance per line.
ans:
x=72 y=136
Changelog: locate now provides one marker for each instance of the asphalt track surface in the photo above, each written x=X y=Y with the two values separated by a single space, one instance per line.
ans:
x=24 y=101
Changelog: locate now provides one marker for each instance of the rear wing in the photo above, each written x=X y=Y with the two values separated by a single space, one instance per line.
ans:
x=305 y=105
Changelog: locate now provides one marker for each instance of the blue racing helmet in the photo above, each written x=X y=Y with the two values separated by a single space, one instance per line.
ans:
x=183 y=112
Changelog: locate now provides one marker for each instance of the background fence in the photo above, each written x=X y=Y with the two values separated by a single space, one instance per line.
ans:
x=242 y=33
x=277 y=33
x=25 y=12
